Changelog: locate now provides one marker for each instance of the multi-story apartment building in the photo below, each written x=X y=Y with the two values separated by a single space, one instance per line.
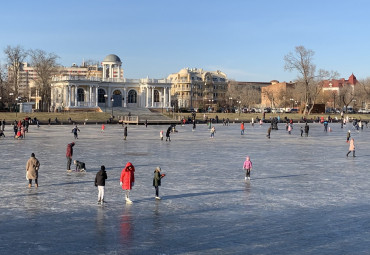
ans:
x=196 y=88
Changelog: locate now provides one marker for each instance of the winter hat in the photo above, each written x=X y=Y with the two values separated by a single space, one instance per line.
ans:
x=102 y=168
x=32 y=154
x=158 y=168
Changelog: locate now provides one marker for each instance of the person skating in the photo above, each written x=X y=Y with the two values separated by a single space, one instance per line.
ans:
x=348 y=135
x=157 y=181
x=125 y=133
x=80 y=166
x=247 y=166
x=102 y=128
x=301 y=131
x=289 y=129
x=69 y=154
x=74 y=131
x=2 y=133
x=269 y=132
x=100 y=178
x=127 y=180
x=161 y=135
x=32 y=170
x=306 y=129
x=168 y=132
x=213 y=131
x=351 y=147
x=242 y=128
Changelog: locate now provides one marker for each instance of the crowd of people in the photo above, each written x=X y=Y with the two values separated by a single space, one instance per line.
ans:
x=127 y=177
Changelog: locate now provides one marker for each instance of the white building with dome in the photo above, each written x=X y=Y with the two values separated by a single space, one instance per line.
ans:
x=109 y=89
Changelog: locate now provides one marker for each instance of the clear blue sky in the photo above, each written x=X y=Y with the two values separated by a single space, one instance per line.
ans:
x=245 y=39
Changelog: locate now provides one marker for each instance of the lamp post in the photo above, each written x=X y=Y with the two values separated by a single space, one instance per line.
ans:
x=292 y=100
x=105 y=100
x=239 y=102
x=16 y=106
x=112 y=99
x=231 y=100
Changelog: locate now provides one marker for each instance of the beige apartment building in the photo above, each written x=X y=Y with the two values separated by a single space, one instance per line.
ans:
x=197 y=88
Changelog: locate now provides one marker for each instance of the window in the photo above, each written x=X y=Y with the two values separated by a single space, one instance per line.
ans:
x=101 y=98
x=214 y=79
x=132 y=96
x=156 y=96
x=80 y=95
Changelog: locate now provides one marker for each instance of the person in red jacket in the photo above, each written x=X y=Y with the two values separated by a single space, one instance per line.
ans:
x=242 y=128
x=127 y=180
x=69 y=155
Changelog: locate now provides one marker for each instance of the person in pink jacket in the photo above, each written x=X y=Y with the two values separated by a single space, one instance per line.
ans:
x=351 y=147
x=127 y=180
x=247 y=166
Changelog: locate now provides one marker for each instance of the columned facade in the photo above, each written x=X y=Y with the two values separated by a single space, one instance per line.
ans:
x=68 y=93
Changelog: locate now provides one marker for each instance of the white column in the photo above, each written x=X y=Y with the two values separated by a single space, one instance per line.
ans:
x=90 y=95
x=164 y=97
x=96 y=96
x=169 y=97
x=152 y=96
x=147 y=97
x=69 y=96
x=76 y=96
x=111 y=71
x=125 y=97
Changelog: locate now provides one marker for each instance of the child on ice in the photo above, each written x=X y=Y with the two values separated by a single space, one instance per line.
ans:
x=247 y=166
x=161 y=135
x=157 y=181
x=100 y=178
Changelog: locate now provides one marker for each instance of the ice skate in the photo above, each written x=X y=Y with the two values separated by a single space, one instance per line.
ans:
x=158 y=198
x=128 y=201
x=99 y=202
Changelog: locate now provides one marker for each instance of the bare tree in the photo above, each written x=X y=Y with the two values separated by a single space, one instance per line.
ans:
x=308 y=79
x=45 y=65
x=3 y=86
x=15 y=56
x=247 y=95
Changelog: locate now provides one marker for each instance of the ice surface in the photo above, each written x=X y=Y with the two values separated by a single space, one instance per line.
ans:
x=304 y=197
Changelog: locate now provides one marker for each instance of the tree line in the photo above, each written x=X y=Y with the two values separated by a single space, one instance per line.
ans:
x=44 y=65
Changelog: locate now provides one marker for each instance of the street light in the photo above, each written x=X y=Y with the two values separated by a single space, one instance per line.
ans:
x=239 y=102
x=105 y=100
x=292 y=100
x=112 y=99
x=16 y=106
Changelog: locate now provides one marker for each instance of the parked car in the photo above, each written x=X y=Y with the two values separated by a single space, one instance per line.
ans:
x=363 y=110
x=293 y=110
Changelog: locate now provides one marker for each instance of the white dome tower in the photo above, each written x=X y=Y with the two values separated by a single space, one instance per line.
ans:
x=112 y=67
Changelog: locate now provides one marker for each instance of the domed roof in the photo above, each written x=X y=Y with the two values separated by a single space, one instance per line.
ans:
x=112 y=58
x=184 y=71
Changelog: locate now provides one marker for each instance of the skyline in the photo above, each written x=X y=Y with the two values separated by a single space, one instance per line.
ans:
x=247 y=40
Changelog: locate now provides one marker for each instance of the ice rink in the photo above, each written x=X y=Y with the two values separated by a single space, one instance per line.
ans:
x=304 y=197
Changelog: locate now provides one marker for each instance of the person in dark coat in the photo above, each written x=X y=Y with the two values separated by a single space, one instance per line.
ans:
x=168 y=134
x=125 y=133
x=74 y=131
x=69 y=155
x=100 y=178
x=306 y=129
x=157 y=181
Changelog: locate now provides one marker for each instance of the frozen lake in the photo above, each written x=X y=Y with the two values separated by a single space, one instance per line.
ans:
x=304 y=197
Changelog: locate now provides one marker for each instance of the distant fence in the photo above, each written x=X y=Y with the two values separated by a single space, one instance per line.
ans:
x=129 y=119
